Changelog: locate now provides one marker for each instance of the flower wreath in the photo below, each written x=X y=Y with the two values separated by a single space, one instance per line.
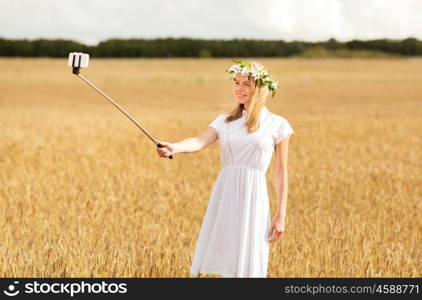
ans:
x=258 y=73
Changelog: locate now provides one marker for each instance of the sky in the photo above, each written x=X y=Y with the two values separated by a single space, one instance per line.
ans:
x=92 y=21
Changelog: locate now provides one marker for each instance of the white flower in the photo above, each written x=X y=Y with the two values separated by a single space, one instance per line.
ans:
x=234 y=68
x=274 y=85
x=244 y=72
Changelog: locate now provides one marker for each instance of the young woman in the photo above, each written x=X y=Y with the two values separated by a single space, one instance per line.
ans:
x=236 y=231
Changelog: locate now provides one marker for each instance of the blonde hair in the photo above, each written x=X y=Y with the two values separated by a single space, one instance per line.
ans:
x=257 y=102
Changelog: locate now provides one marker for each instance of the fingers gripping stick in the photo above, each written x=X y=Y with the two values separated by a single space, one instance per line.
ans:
x=79 y=60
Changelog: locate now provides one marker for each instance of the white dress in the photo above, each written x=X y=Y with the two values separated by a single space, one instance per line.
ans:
x=233 y=239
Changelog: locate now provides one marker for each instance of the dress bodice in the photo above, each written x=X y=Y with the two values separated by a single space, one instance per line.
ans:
x=253 y=150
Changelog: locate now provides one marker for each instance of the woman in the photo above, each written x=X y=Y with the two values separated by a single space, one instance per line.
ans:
x=237 y=230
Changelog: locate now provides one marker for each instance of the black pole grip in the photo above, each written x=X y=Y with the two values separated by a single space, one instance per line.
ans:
x=161 y=146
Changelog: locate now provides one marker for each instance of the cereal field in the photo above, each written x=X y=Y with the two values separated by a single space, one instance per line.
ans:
x=83 y=192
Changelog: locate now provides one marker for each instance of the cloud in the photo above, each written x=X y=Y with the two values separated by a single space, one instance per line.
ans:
x=91 y=21
x=314 y=20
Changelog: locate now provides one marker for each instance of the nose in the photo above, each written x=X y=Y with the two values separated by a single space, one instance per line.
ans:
x=239 y=89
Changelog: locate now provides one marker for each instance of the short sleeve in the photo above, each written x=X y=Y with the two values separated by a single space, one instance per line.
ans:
x=283 y=130
x=217 y=123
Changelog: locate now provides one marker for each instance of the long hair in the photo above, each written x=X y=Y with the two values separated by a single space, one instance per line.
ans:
x=256 y=104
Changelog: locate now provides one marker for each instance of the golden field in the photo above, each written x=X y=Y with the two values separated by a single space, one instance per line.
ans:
x=83 y=192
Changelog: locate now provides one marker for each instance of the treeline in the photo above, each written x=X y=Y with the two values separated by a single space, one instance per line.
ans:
x=187 y=47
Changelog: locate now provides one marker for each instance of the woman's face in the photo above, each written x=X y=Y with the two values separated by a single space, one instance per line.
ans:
x=243 y=89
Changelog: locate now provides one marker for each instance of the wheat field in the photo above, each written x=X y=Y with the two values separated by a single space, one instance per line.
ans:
x=84 y=194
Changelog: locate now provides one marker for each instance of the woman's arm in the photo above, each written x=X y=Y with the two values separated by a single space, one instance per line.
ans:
x=281 y=176
x=281 y=189
x=191 y=144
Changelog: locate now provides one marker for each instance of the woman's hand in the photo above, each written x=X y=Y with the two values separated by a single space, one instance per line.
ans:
x=277 y=228
x=165 y=151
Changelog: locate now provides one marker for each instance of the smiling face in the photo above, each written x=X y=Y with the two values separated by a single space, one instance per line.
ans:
x=243 y=89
